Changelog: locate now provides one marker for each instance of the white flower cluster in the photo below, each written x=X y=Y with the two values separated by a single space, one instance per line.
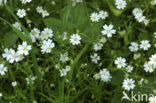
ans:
x=97 y=47
x=120 y=4
x=12 y=56
x=145 y=45
x=121 y=63
x=44 y=37
x=40 y=10
x=138 y=13
x=150 y=66
x=25 y=1
x=95 y=16
x=103 y=75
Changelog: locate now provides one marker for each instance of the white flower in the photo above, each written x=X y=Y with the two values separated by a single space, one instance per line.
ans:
x=94 y=17
x=15 y=56
x=7 y=54
x=39 y=9
x=64 y=57
x=137 y=11
x=46 y=33
x=120 y=4
x=64 y=36
x=105 y=75
x=153 y=60
x=35 y=32
x=98 y=46
x=137 y=55
x=33 y=38
x=63 y=72
x=75 y=39
x=120 y=62
x=45 y=13
x=95 y=58
x=97 y=76
x=21 y=13
x=14 y=83
x=68 y=68
x=129 y=68
x=152 y=99
x=140 y=17
x=30 y=79
x=145 y=45
x=24 y=48
x=154 y=34
x=3 y=69
x=47 y=46
x=108 y=30
x=148 y=67
x=1 y=95
x=103 y=40
x=146 y=22
x=133 y=47
x=25 y=1
x=17 y=26
x=128 y=84
x=103 y=14
x=153 y=2
x=79 y=1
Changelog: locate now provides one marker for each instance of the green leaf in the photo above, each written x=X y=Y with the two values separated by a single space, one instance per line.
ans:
x=10 y=39
x=118 y=77
x=53 y=23
x=117 y=97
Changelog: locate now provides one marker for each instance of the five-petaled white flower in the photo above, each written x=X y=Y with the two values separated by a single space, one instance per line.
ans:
x=3 y=69
x=120 y=4
x=95 y=58
x=153 y=60
x=133 y=47
x=108 y=30
x=152 y=99
x=24 y=48
x=21 y=13
x=145 y=45
x=120 y=62
x=94 y=17
x=75 y=39
x=103 y=14
x=128 y=84
x=105 y=75
x=47 y=46
x=148 y=67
